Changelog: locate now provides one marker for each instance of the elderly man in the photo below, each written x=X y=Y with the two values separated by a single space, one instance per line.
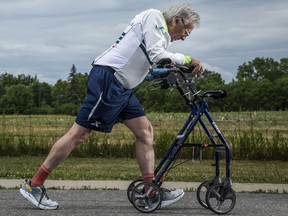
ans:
x=110 y=99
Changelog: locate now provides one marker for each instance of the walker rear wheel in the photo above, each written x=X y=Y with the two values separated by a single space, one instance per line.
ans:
x=146 y=197
x=201 y=193
x=131 y=188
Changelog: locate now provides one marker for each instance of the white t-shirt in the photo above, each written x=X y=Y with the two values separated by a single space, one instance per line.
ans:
x=143 y=43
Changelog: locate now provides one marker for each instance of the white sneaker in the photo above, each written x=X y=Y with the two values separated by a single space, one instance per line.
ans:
x=37 y=196
x=171 y=197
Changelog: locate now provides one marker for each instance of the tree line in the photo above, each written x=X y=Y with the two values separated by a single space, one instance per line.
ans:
x=260 y=84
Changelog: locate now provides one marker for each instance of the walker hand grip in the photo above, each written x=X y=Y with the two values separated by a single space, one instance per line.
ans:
x=160 y=71
x=156 y=73
x=216 y=94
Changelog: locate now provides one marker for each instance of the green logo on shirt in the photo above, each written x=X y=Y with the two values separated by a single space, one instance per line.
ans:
x=161 y=29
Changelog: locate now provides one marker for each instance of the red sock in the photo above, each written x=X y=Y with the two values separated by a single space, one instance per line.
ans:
x=40 y=176
x=148 y=177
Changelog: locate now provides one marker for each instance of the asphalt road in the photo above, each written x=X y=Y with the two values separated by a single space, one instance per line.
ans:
x=115 y=202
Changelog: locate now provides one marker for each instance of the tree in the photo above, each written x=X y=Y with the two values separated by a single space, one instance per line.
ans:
x=209 y=81
x=262 y=84
x=212 y=80
x=262 y=95
x=284 y=66
x=262 y=68
x=6 y=80
x=60 y=92
x=26 y=79
x=263 y=79
x=240 y=96
x=279 y=94
x=76 y=83
x=17 y=99
x=61 y=99
x=41 y=94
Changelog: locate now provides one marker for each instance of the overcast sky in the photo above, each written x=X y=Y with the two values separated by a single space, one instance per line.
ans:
x=45 y=37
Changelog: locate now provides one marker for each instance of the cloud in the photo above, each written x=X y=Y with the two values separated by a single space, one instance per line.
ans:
x=227 y=76
x=46 y=37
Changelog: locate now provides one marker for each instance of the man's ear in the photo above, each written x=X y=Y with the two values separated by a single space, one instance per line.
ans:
x=176 y=19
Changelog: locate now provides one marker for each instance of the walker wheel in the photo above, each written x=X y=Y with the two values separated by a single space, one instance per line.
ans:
x=146 y=197
x=201 y=193
x=220 y=199
x=131 y=188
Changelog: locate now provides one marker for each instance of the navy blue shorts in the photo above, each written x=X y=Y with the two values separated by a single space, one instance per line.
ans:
x=107 y=102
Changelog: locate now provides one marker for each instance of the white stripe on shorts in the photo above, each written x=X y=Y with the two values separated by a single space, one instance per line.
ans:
x=94 y=108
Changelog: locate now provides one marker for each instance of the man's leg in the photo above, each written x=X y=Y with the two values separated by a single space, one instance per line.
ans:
x=33 y=190
x=143 y=131
x=59 y=152
x=65 y=145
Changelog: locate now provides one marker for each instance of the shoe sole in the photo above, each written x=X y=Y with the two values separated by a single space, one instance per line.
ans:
x=164 y=204
x=31 y=199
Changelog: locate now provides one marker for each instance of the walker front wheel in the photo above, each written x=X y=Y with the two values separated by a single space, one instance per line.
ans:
x=220 y=199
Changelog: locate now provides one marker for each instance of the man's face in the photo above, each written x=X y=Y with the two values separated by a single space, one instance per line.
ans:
x=179 y=30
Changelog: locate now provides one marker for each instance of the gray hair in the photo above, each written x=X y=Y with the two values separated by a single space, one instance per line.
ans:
x=185 y=11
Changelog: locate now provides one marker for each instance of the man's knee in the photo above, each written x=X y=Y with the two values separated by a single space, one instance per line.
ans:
x=83 y=136
x=79 y=134
x=146 y=135
x=142 y=129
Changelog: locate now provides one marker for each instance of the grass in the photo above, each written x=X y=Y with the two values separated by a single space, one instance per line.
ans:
x=127 y=169
x=261 y=136
x=251 y=135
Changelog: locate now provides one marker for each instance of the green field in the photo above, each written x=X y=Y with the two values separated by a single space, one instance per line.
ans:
x=127 y=169
x=251 y=135
x=258 y=143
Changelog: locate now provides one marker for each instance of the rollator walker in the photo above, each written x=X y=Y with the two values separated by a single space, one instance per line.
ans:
x=214 y=194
